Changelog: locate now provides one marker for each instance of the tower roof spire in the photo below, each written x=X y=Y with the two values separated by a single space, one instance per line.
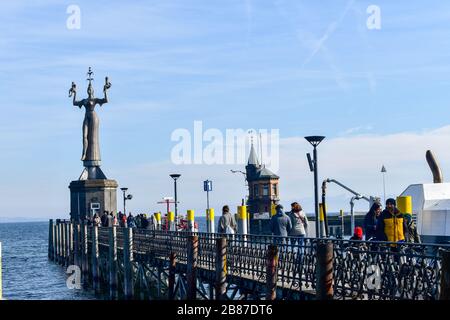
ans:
x=253 y=158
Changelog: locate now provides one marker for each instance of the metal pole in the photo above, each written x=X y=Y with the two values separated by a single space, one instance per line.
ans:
x=176 y=202
x=352 y=217
x=124 y=203
x=207 y=199
x=316 y=195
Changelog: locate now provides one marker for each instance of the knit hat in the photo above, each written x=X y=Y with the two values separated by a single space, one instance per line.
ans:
x=358 y=232
x=390 y=201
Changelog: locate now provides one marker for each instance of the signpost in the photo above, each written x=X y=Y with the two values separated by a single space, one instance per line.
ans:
x=207 y=186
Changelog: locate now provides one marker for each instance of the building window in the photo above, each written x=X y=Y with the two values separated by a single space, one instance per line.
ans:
x=274 y=190
x=265 y=190
x=255 y=190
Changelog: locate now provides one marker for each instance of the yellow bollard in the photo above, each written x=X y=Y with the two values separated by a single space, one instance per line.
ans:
x=404 y=204
x=242 y=215
x=190 y=218
x=273 y=211
x=171 y=218
x=158 y=220
x=210 y=220
x=322 y=219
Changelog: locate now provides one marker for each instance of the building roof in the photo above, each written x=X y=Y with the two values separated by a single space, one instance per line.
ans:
x=253 y=158
x=266 y=173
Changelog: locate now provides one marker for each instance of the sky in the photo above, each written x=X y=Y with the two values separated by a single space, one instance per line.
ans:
x=380 y=96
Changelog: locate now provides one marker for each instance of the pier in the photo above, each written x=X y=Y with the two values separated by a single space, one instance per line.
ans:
x=131 y=263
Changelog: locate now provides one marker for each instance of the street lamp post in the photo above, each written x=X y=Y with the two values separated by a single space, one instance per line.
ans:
x=383 y=171
x=315 y=141
x=175 y=176
x=125 y=198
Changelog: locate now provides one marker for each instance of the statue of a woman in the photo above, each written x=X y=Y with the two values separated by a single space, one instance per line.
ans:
x=91 y=148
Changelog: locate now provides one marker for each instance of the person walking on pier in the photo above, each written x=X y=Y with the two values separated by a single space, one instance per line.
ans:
x=280 y=224
x=131 y=221
x=413 y=235
x=357 y=234
x=97 y=221
x=391 y=225
x=370 y=221
x=110 y=220
x=124 y=221
x=227 y=222
x=299 y=222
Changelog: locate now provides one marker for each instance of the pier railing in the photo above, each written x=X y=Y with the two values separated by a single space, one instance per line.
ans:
x=186 y=265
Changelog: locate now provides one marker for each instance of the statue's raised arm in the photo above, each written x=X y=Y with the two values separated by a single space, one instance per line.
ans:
x=73 y=92
x=105 y=89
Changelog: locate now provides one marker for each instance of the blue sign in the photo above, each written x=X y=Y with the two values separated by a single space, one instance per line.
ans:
x=207 y=185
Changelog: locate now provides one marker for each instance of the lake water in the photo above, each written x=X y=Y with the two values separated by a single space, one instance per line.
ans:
x=27 y=272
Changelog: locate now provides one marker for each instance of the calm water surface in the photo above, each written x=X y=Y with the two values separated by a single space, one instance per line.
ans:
x=27 y=273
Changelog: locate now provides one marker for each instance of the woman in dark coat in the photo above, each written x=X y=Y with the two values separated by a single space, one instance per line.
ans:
x=370 y=221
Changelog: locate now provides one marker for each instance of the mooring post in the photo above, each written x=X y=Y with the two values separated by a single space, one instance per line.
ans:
x=76 y=244
x=127 y=262
x=271 y=272
x=84 y=254
x=221 y=268
x=242 y=219
x=324 y=273
x=210 y=220
x=55 y=242
x=190 y=220
x=172 y=270
x=95 y=255
x=71 y=251
x=50 y=239
x=191 y=274
x=445 y=276
x=68 y=241
x=171 y=218
x=113 y=279
x=63 y=243
x=58 y=241
x=158 y=220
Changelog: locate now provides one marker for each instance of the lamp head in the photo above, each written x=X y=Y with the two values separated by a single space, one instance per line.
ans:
x=175 y=176
x=314 y=140
x=124 y=189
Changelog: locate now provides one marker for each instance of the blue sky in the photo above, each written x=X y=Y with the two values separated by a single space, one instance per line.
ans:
x=304 y=67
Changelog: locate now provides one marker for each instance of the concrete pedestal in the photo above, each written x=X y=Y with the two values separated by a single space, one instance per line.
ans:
x=92 y=196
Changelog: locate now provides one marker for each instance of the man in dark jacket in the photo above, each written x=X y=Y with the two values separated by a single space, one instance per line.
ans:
x=391 y=225
x=280 y=224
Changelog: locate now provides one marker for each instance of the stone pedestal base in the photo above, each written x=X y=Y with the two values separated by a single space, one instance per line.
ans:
x=92 y=196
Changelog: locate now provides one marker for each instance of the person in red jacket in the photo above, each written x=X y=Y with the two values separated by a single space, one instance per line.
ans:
x=357 y=234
